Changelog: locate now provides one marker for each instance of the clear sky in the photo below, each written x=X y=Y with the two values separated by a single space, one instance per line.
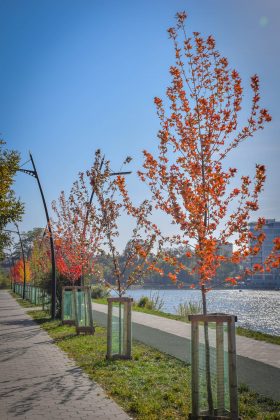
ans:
x=76 y=75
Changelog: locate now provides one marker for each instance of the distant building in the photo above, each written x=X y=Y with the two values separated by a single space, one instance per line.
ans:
x=225 y=249
x=265 y=280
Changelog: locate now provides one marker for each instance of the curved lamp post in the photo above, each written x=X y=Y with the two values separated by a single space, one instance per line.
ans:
x=33 y=172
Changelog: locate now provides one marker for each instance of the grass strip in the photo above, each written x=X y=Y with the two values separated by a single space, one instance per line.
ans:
x=151 y=386
x=256 y=335
x=22 y=302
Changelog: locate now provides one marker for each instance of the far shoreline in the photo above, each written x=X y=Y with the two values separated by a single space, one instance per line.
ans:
x=153 y=287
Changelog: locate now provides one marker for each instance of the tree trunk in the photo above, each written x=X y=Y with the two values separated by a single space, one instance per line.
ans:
x=207 y=356
x=120 y=328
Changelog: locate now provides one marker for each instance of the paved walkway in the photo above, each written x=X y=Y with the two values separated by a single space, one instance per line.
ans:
x=37 y=380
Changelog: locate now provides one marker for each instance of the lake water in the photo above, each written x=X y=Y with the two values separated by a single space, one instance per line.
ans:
x=256 y=309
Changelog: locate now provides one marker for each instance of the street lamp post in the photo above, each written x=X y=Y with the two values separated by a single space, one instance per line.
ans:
x=23 y=257
x=34 y=173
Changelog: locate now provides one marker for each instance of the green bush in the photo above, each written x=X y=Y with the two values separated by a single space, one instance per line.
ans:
x=142 y=302
x=154 y=302
x=99 y=292
x=5 y=281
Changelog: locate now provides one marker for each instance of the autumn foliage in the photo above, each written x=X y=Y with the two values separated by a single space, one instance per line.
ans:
x=17 y=272
x=190 y=178
x=77 y=231
x=113 y=202
x=40 y=260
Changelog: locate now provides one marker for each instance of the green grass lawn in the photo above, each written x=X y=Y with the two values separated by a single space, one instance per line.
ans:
x=239 y=330
x=256 y=335
x=152 y=385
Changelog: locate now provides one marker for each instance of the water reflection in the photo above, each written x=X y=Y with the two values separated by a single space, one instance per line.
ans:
x=256 y=309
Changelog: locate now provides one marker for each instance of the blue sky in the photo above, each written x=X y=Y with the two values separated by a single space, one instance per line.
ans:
x=80 y=75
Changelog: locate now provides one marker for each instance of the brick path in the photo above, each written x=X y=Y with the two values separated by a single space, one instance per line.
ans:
x=37 y=380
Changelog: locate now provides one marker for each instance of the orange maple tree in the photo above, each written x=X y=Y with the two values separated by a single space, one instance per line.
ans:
x=190 y=177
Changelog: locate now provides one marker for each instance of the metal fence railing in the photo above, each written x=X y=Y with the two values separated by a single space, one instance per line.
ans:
x=35 y=295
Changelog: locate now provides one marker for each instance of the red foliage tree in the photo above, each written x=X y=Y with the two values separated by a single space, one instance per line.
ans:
x=77 y=232
x=17 y=271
